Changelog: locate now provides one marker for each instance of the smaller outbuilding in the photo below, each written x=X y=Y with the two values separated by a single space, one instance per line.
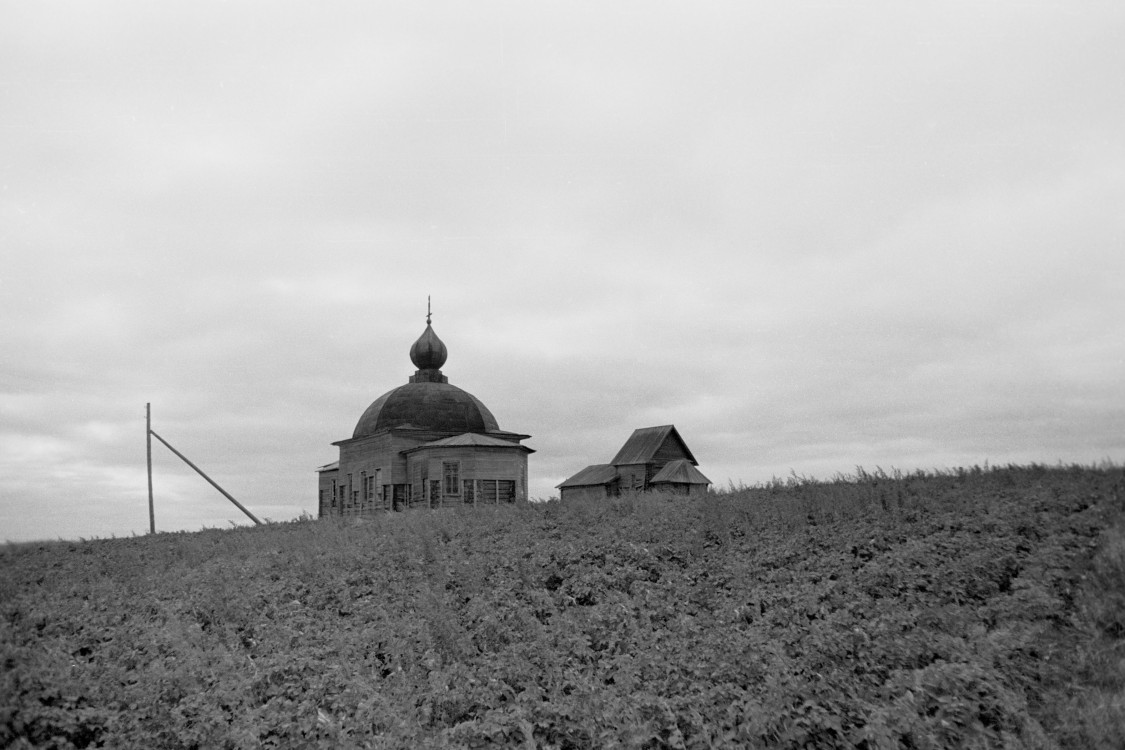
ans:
x=653 y=458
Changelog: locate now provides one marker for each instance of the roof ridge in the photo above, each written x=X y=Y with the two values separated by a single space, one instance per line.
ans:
x=645 y=441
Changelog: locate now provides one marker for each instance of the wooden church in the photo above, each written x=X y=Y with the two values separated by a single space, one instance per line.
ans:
x=425 y=443
x=653 y=458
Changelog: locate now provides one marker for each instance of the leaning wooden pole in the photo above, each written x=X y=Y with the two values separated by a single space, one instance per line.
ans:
x=209 y=479
x=148 y=450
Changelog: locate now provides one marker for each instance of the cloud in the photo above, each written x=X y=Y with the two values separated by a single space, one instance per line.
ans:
x=810 y=236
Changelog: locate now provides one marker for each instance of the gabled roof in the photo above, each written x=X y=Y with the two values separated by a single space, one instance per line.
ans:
x=591 y=476
x=645 y=441
x=680 y=471
x=471 y=439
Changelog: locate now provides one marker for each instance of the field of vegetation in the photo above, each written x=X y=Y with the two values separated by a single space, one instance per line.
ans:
x=972 y=608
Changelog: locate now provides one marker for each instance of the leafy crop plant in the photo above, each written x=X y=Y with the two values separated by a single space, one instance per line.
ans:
x=972 y=608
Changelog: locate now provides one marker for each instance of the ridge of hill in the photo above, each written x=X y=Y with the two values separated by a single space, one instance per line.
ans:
x=979 y=607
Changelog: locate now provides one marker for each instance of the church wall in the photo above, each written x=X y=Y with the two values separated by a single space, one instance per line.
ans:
x=367 y=470
x=475 y=463
x=326 y=493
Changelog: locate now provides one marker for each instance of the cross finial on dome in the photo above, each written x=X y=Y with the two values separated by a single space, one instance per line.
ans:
x=428 y=354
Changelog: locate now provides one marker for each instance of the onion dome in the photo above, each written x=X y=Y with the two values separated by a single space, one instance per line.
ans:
x=428 y=401
x=428 y=352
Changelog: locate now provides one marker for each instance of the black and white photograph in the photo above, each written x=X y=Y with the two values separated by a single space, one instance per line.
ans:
x=562 y=375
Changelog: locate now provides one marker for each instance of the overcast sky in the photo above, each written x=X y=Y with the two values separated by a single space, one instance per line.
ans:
x=811 y=235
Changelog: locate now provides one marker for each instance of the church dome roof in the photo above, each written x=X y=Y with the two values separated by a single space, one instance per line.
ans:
x=428 y=401
x=428 y=406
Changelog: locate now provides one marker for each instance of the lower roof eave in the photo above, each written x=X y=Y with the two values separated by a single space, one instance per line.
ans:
x=471 y=441
x=428 y=436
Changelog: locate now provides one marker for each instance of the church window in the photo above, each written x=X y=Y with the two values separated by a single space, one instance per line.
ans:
x=451 y=472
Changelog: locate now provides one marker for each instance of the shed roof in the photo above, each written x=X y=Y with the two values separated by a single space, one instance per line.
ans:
x=591 y=476
x=680 y=471
x=328 y=467
x=645 y=441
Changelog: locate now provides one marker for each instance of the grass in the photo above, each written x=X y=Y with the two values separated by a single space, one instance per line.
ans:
x=982 y=607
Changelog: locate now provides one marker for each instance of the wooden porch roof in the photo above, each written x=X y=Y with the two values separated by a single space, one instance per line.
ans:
x=471 y=439
x=680 y=471
x=593 y=475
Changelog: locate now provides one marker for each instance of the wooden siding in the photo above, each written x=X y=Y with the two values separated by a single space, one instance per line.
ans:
x=670 y=450
x=474 y=463
x=326 y=493
x=367 y=459
x=633 y=476
x=374 y=475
